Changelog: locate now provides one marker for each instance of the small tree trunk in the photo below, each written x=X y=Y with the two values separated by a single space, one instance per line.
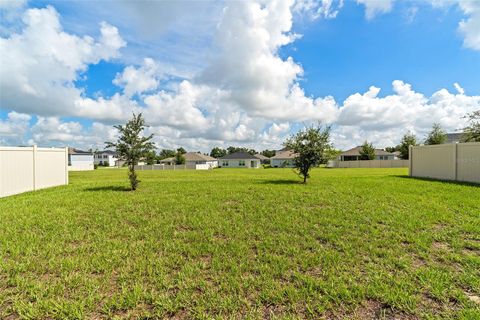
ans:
x=305 y=179
x=132 y=175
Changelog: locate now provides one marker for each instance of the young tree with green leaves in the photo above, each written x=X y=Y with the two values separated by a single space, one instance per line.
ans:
x=367 y=152
x=409 y=139
x=131 y=146
x=436 y=136
x=471 y=133
x=310 y=146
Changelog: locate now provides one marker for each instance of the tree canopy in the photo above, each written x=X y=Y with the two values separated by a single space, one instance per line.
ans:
x=436 y=136
x=310 y=146
x=166 y=153
x=179 y=158
x=232 y=149
x=367 y=151
x=268 y=153
x=409 y=139
x=218 y=152
x=471 y=133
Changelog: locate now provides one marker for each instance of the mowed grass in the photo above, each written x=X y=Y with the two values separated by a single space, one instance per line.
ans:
x=233 y=243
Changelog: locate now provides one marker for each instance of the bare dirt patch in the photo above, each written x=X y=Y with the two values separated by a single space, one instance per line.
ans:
x=472 y=297
x=442 y=246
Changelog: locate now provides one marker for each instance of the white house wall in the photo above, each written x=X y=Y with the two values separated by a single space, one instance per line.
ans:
x=80 y=162
x=234 y=163
x=282 y=163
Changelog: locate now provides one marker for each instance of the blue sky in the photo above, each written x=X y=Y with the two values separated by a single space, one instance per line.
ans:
x=350 y=53
x=219 y=73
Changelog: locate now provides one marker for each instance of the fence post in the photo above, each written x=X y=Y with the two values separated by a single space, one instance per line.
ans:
x=34 y=153
x=455 y=160
x=410 y=153
x=66 y=165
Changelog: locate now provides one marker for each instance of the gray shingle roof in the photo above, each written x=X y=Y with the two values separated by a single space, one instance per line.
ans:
x=454 y=137
x=77 y=151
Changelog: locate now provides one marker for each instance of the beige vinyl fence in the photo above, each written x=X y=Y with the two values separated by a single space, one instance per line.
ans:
x=165 y=167
x=30 y=168
x=456 y=161
x=368 y=164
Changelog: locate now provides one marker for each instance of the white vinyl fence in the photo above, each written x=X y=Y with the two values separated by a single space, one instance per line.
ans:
x=368 y=164
x=30 y=168
x=456 y=161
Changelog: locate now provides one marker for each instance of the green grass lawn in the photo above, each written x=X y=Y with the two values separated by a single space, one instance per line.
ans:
x=233 y=243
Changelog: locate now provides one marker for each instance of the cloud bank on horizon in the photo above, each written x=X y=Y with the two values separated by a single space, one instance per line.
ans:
x=243 y=92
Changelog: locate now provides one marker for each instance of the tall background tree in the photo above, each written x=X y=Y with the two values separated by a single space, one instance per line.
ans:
x=367 y=151
x=151 y=157
x=218 y=152
x=409 y=139
x=131 y=146
x=436 y=136
x=310 y=145
x=232 y=149
x=471 y=133
x=181 y=150
x=180 y=158
x=166 y=153
x=268 y=153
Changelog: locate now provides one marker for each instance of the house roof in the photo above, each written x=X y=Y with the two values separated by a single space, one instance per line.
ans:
x=195 y=156
x=111 y=152
x=239 y=156
x=261 y=156
x=356 y=152
x=284 y=154
x=77 y=151
x=167 y=159
x=454 y=137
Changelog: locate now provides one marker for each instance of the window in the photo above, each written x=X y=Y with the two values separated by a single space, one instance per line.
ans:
x=224 y=163
x=241 y=163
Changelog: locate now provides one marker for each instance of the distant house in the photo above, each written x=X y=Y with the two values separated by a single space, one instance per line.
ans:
x=354 y=154
x=168 y=161
x=283 y=159
x=263 y=159
x=239 y=160
x=454 y=137
x=106 y=158
x=194 y=158
x=79 y=160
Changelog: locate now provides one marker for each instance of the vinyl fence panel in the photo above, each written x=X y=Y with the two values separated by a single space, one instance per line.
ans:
x=460 y=161
x=368 y=164
x=30 y=168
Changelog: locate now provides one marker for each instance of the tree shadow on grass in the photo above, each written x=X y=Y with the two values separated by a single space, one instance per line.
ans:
x=109 y=188
x=461 y=183
x=280 y=181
